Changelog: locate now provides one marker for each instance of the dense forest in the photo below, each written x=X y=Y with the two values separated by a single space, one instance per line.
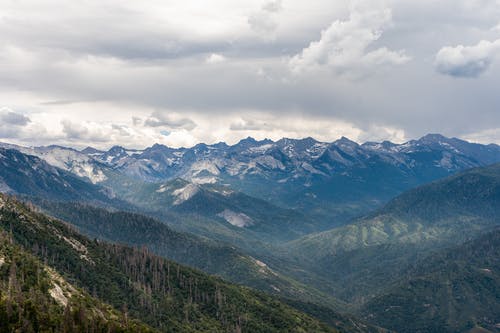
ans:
x=163 y=294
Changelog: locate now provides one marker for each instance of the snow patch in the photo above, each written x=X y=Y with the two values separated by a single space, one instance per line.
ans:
x=205 y=165
x=185 y=193
x=446 y=161
x=269 y=162
x=237 y=219
x=260 y=149
x=204 y=180
x=162 y=188
x=2 y=261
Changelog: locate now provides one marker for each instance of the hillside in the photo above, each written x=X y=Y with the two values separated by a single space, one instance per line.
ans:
x=35 y=298
x=162 y=293
x=455 y=290
x=32 y=176
x=360 y=259
x=212 y=257
x=229 y=211
x=451 y=209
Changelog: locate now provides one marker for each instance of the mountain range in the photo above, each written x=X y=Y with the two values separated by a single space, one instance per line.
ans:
x=336 y=230
x=333 y=182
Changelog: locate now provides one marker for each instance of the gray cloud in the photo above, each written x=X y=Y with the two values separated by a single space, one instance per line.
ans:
x=74 y=130
x=171 y=59
x=10 y=117
x=164 y=119
x=467 y=61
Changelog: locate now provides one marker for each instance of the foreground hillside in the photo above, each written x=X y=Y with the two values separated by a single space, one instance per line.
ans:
x=35 y=298
x=163 y=294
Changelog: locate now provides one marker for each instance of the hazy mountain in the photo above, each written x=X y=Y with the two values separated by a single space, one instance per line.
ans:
x=32 y=176
x=332 y=181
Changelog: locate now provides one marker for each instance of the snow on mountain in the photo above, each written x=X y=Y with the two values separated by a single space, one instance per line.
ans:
x=275 y=162
x=67 y=159
x=72 y=161
x=185 y=193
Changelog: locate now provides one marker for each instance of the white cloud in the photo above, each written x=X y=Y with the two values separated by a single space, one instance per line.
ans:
x=264 y=21
x=215 y=58
x=485 y=136
x=467 y=61
x=344 y=45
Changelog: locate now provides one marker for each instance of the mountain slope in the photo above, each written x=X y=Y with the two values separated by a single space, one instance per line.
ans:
x=163 y=294
x=333 y=182
x=452 y=291
x=360 y=259
x=35 y=298
x=451 y=209
x=32 y=176
x=210 y=256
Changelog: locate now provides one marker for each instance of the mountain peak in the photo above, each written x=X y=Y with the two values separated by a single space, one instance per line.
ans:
x=433 y=138
x=344 y=141
x=91 y=150
x=249 y=141
x=116 y=150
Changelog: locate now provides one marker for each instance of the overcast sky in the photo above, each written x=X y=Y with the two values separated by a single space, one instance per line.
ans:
x=135 y=73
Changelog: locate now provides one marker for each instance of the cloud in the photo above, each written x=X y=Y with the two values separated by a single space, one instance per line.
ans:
x=343 y=46
x=467 y=61
x=170 y=121
x=136 y=120
x=251 y=125
x=101 y=71
x=9 y=117
x=264 y=21
x=215 y=58
x=485 y=136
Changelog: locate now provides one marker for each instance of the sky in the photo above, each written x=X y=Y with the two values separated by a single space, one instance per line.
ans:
x=134 y=73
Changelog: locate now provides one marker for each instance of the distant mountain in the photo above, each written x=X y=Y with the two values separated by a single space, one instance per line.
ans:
x=456 y=290
x=32 y=176
x=226 y=208
x=333 y=182
x=226 y=211
x=360 y=259
x=449 y=210
x=163 y=294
